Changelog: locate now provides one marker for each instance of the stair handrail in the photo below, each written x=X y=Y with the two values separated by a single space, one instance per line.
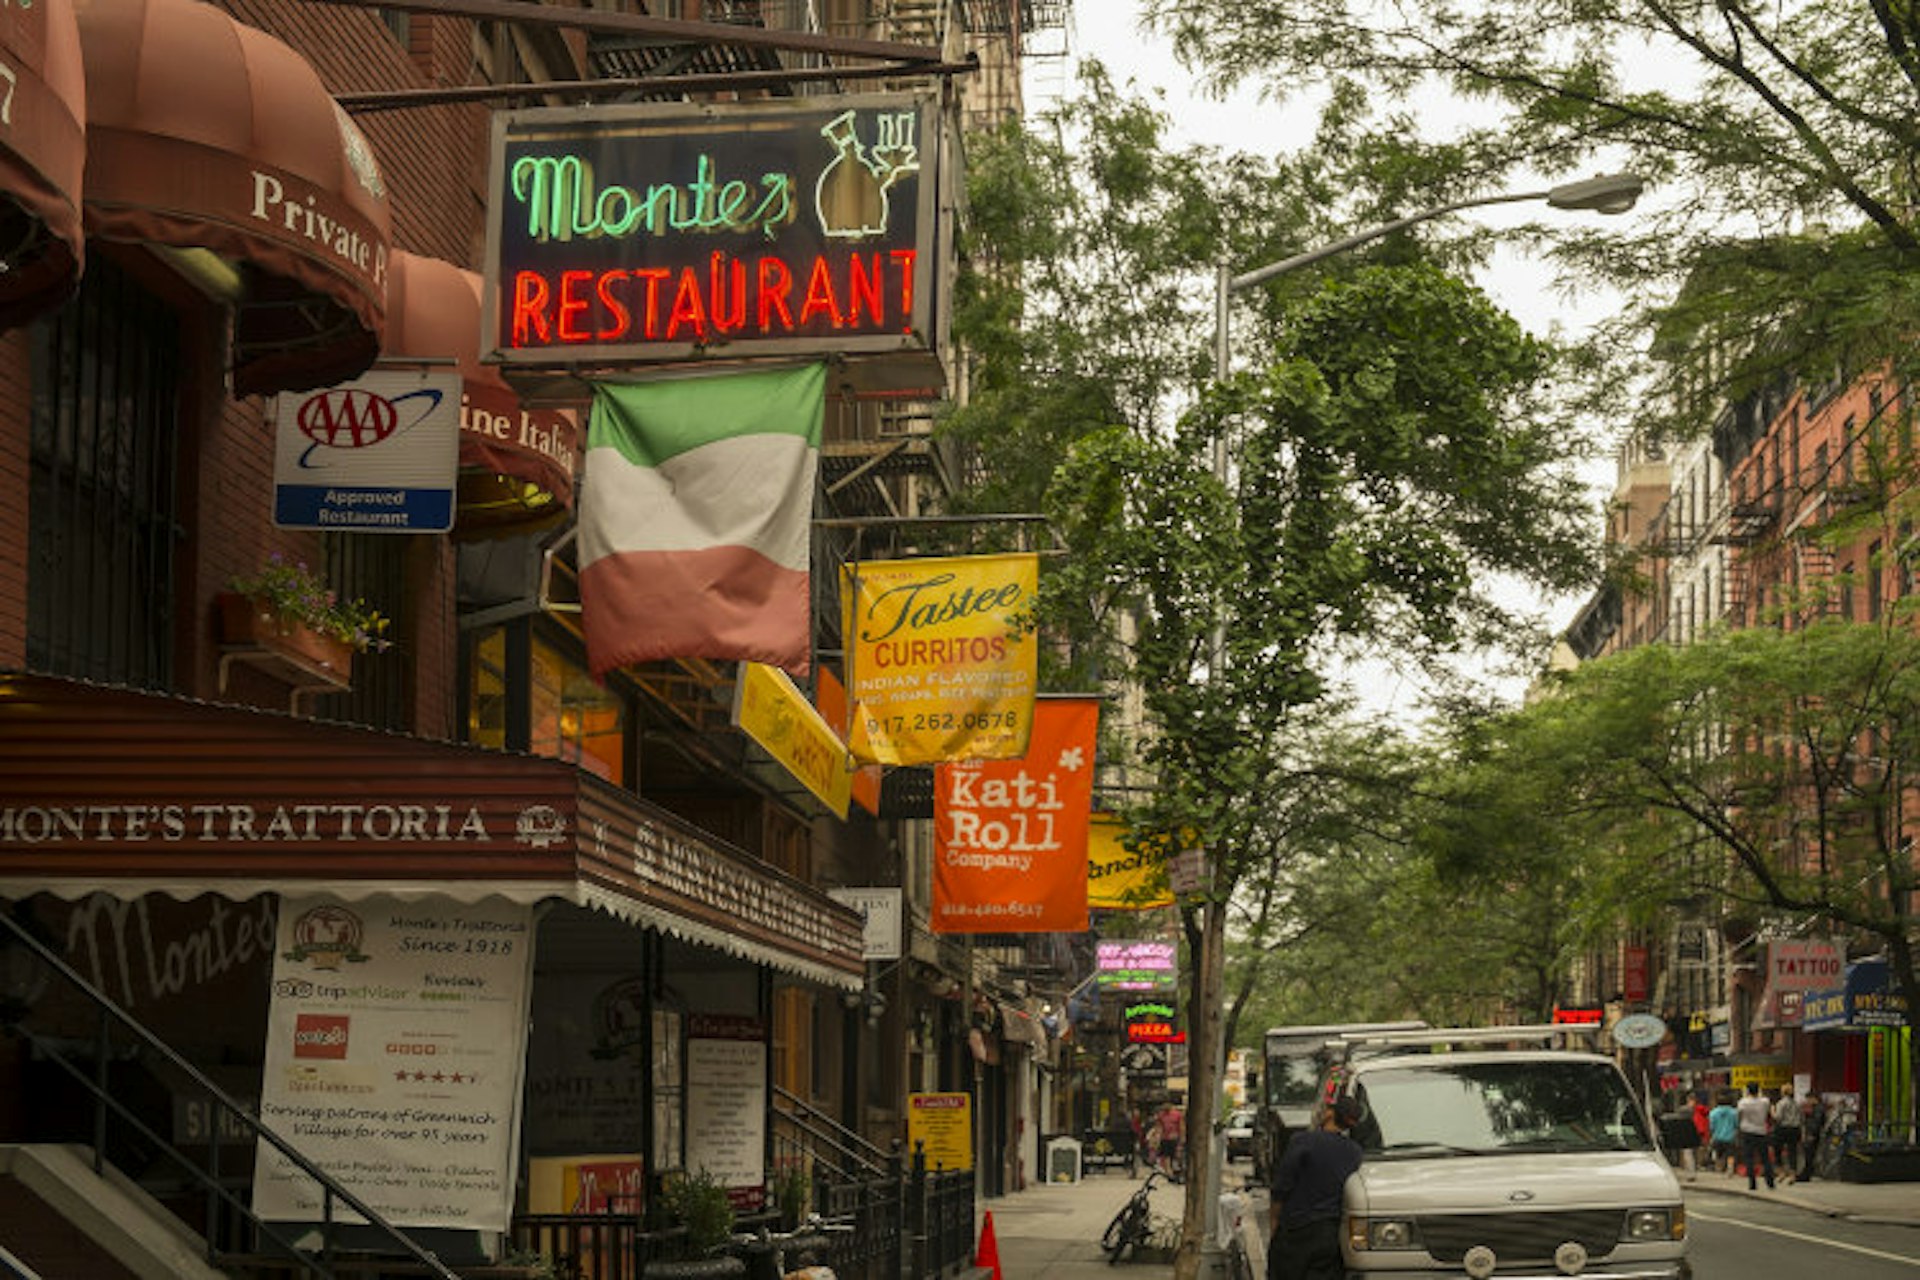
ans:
x=330 y=1188
x=875 y=1160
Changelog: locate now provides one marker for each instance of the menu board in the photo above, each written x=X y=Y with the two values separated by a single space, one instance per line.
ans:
x=727 y=1100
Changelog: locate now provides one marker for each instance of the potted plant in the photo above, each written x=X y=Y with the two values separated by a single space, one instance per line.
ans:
x=288 y=609
x=698 y=1203
x=792 y=1194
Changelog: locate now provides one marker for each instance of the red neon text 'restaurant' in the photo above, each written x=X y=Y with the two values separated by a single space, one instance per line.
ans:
x=763 y=297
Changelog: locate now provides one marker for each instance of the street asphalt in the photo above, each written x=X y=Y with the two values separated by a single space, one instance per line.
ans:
x=1053 y=1230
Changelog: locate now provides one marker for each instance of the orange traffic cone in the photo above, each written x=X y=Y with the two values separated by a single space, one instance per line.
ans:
x=988 y=1254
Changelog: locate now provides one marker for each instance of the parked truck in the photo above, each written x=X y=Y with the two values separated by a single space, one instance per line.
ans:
x=1294 y=1061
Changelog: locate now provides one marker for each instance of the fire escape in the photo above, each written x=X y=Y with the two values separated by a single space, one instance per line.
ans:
x=1748 y=523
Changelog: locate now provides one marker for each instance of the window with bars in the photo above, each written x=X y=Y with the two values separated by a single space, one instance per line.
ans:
x=372 y=567
x=103 y=489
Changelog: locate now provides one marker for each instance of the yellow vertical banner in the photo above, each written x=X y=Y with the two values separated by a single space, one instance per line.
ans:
x=942 y=658
x=774 y=713
x=1120 y=879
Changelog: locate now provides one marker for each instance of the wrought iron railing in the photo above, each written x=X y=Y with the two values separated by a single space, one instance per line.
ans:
x=229 y=1225
x=850 y=1180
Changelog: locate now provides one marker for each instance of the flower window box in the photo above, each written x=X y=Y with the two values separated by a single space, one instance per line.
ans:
x=253 y=632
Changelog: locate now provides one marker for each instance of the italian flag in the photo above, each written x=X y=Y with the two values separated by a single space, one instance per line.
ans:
x=695 y=518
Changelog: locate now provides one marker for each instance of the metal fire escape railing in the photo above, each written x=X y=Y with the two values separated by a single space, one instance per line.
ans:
x=227 y=1218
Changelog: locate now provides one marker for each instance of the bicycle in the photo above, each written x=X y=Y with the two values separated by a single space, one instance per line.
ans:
x=1233 y=1242
x=1835 y=1142
x=1132 y=1226
x=787 y=1255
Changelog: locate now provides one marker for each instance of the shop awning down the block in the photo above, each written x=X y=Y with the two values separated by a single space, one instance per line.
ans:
x=107 y=790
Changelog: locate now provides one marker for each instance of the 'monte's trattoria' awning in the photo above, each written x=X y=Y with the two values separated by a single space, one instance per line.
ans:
x=205 y=133
x=42 y=154
x=113 y=791
x=517 y=462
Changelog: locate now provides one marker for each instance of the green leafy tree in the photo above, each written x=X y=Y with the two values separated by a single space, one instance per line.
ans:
x=1781 y=139
x=1771 y=769
x=1380 y=919
x=1390 y=447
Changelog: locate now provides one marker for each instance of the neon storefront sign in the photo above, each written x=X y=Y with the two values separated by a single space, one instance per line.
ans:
x=649 y=233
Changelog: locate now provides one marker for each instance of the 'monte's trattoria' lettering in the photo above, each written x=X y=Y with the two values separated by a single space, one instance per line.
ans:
x=245 y=823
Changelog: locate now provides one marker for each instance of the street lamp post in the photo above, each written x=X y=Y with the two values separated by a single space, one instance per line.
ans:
x=1606 y=193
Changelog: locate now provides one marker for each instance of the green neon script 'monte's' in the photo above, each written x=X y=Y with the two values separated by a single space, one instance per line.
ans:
x=564 y=202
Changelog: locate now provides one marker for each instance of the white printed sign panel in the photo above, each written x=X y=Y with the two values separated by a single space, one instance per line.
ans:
x=395 y=1057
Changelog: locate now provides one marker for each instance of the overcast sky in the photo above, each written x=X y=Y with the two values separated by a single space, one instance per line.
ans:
x=1108 y=30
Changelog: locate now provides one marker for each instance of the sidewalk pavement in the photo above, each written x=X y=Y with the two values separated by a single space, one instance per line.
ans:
x=1891 y=1203
x=1053 y=1230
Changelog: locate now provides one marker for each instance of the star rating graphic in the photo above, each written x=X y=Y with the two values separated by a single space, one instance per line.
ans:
x=436 y=1077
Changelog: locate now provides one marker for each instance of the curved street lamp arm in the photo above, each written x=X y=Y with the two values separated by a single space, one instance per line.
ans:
x=1258 y=275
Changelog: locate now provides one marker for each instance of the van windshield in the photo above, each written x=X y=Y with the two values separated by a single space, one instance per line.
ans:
x=1488 y=1108
x=1293 y=1081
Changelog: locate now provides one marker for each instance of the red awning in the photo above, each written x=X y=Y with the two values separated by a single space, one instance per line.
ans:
x=125 y=793
x=517 y=463
x=206 y=133
x=42 y=154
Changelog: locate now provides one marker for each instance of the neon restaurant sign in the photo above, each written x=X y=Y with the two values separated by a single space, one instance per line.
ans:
x=661 y=232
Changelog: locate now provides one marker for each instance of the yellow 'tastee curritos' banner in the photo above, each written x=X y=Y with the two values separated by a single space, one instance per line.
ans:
x=1120 y=879
x=775 y=714
x=942 y=658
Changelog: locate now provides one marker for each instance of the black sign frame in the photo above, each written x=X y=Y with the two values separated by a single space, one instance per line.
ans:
x=669 y=232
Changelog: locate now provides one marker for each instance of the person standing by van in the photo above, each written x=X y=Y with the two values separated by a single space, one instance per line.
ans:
x=1703 y=1128
x=1313 y=1176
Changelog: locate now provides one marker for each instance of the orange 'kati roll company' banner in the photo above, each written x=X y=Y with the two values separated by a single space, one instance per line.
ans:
x=943 y=662
x=1119 y=878
x=1010 y=836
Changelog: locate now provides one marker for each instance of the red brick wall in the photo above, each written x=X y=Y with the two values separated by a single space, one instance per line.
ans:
x=434 y=162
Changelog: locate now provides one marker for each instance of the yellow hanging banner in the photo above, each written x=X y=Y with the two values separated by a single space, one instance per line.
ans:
x=1120 y=879
x=942 y=658
x=774 y=713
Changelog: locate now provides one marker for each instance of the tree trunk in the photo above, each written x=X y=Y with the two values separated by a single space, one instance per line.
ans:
x=1204 y=1052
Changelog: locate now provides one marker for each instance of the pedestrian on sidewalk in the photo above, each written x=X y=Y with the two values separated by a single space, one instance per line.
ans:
x=1755 y=1119
x=1701 y=1127
x=1313 y=1175
x=1786 y=1134
x=1172 y=1123
x=1813 y=1125
x=1723 y=1123
x=1680 y=1138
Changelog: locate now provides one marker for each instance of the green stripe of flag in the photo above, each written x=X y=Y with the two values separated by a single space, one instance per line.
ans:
x=652 y=422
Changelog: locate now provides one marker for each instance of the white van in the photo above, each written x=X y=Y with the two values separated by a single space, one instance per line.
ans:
x=1530 y=1162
